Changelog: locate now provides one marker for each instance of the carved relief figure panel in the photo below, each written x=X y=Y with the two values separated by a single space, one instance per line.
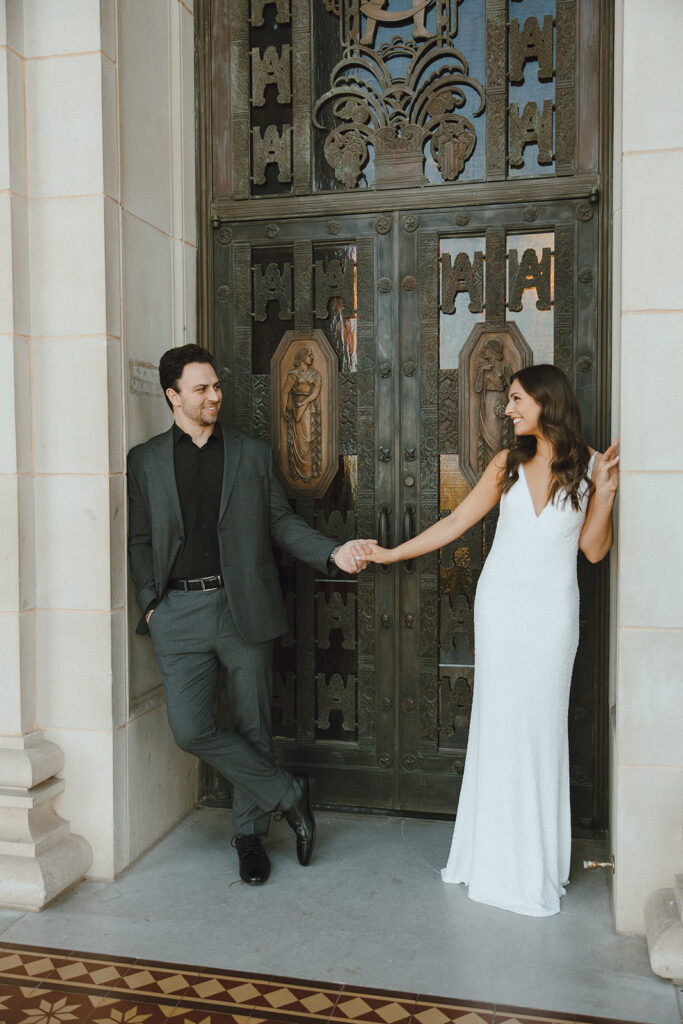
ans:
x=487 y=362
x=304 y=412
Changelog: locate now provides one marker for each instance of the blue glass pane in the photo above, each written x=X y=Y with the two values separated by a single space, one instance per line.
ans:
x=531 y=90
x=535 y=324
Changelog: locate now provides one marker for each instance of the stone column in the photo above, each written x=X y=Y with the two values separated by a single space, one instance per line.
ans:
x=39 y=857
x=647 y=713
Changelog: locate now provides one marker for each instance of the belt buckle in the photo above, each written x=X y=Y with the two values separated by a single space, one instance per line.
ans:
x=206 y=579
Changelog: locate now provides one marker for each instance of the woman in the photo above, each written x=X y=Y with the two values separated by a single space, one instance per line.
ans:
x=511 y=843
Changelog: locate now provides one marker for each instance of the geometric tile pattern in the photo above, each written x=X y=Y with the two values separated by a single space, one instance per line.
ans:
x=50 y=986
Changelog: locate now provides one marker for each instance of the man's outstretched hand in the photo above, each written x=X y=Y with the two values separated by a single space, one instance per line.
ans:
x=351 y=556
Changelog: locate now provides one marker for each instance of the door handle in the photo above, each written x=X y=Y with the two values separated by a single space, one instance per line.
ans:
x=408 y=533
x=383 y=531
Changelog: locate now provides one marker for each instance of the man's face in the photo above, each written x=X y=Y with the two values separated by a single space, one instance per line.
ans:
x=198 y=397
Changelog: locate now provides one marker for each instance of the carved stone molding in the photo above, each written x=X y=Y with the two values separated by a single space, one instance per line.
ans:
x=304 y=412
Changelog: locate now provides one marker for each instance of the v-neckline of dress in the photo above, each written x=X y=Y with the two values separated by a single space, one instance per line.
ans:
x=537 y=515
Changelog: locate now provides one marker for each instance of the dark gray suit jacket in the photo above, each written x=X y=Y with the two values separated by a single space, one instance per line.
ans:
x=254 y=511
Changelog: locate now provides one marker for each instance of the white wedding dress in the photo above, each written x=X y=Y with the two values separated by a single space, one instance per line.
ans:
x=512 y=839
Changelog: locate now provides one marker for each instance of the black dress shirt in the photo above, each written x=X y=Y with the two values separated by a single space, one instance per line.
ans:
x=199 y=479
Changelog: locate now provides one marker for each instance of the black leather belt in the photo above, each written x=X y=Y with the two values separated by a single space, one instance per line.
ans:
x=202 y=583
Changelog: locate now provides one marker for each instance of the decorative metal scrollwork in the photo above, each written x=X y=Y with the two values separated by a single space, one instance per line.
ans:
x=284 y=697
x=336 y=614
x=333 y=281
x=271 y=147
x=337 y=526
x=395 y=110
x=455 y=704
x=531 y=127
x=410 y=222
x=462 y=275
x=454 y=618
x=385 y=760
x=531 y=43
x=282 y=15
x=224 y=235
x=585 y=212
x=271 y=285
x=529 y=272
x=273 y=68
x=448 y=412
x=409 y=762
x=336 y=694
x=383 y=225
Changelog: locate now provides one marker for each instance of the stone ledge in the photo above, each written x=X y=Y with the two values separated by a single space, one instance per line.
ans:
x=664 y=931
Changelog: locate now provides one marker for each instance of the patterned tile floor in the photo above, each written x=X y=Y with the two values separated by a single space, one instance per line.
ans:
x=49 y=986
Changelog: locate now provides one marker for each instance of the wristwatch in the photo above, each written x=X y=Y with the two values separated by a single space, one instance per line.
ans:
x=331 y=564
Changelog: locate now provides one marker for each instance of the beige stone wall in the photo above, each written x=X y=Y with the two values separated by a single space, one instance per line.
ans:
x=97 y=258
x=647 y=738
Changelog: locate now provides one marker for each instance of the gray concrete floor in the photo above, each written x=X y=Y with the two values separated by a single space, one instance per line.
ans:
x=370 y=910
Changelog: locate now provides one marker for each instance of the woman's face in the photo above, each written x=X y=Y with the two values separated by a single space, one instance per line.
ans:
x=523 y=410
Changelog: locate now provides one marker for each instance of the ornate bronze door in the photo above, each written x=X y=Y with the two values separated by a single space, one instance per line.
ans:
x=399 y=208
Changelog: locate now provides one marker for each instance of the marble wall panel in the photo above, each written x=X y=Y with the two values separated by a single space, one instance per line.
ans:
x=64 y=125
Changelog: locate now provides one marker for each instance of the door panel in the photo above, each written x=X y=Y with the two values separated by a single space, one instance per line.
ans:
x=438 y=243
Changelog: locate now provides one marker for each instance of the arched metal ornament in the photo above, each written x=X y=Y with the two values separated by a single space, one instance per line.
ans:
x=487 y=361
x=304 y=412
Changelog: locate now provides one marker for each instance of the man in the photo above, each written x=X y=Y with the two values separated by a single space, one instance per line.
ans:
x=204 y=506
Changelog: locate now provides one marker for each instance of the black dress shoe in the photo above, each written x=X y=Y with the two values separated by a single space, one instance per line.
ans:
x=300 y=817
x=254 y=863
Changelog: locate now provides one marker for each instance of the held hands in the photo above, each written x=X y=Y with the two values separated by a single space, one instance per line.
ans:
x=353 y=556
x=379 y=555
x=606 y=472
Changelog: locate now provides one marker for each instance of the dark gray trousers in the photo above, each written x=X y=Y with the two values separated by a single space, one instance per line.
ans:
x=194 y=635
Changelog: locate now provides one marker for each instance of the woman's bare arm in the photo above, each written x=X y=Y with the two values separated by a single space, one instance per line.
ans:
x=474 y=507
x=597 y=535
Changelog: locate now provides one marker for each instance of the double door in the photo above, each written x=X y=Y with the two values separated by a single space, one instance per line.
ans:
x=420 y=314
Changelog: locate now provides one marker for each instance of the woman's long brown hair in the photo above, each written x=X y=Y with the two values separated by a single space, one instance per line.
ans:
x=560 y=423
